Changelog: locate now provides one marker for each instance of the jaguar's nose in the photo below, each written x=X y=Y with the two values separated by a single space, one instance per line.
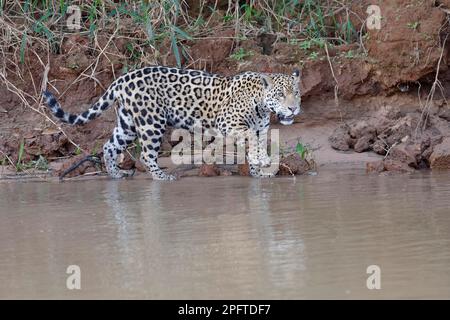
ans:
x=295 y=110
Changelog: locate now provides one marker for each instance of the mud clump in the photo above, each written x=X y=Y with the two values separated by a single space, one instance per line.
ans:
x=340 y=139
x=293 y=164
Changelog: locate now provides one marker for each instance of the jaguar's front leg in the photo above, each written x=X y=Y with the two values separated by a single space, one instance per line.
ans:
x=241 y=134
x=258 y=159
x=266 y=167
x=256 y=156
x=261 y=145
x=260 y=172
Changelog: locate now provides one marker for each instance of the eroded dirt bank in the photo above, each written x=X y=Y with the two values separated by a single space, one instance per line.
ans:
x=378 y=100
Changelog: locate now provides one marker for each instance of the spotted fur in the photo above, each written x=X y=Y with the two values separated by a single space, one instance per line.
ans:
x=152 y=98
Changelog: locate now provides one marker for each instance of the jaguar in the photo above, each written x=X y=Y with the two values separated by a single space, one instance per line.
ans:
x=152 y=98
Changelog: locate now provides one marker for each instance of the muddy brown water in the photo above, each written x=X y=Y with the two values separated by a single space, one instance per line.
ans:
x=230 y=237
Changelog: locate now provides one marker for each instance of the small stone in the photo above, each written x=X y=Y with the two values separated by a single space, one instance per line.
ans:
x=375 y=166
x=209 y=170
x=397 y=166
x=225 y=173
x=379 y=147
x=244 y=169
x=140 y=166
x=363 y=144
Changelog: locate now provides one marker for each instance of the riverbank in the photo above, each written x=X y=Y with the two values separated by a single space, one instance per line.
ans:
x=368 y=94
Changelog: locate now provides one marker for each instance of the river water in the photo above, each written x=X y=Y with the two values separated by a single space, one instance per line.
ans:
x=228 y=237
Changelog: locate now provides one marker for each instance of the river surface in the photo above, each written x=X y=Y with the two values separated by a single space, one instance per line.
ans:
x=228 y=237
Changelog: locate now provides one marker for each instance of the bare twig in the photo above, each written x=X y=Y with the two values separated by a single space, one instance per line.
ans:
x=336 y=86
x=421 y=125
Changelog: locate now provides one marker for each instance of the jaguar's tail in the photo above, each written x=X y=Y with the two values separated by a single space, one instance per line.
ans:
x=93 y=112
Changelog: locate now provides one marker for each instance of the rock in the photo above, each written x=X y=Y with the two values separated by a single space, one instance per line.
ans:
x=440 y=158
x=445 y=114
x=405 y=153
x=402 y=128
x=389 y=112
x=397 y=166
x=209 y=170
x=140 y=166
x=225 y=172
x=379 y=147
x=426 y=154
x=375 y=166
x=381 y=124
x=340 y=139
x=364 y=143
x=127 y=163
x=293 y=164
x=244 y=169
x=431 y=137
x=360 y=129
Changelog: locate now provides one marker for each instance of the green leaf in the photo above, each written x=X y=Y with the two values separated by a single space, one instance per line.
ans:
x=301 y=150
x=227 y=18
x=19 y=166
x=63 y=5
x=182 y=33
x=175 y=50
x=26 y=6
x=23 y=46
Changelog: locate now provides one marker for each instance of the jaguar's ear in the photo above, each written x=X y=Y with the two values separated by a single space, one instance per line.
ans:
x=267 y=81
x=296 y=73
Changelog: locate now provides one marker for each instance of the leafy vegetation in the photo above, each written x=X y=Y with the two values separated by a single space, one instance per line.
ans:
x=40 y=163
x=154 y=25
x=241 y=54
x=302 y=150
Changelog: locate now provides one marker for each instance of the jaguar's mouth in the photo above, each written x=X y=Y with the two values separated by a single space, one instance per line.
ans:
x=286 y=120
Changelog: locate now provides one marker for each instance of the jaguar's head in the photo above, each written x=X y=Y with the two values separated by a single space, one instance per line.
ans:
x=282 y=95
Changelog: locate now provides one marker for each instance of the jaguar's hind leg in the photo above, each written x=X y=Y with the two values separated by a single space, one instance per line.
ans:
x=150 y=137
x=123 y=135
